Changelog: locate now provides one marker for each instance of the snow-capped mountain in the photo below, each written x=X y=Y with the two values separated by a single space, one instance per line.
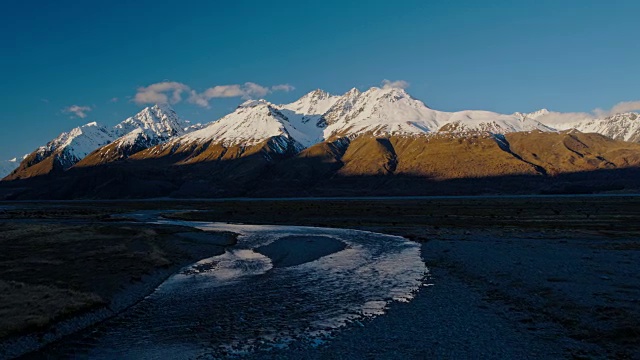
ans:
x=625 y=126
x=622 y=126
x=70 y=147
x=316 y=117
x=151 y=126
x=307 y=114
x=160 y=120
x=253 y=122
x=352 y=142
x=319 y=116
x=312 y=105
x=532 y=115
x=391 y=111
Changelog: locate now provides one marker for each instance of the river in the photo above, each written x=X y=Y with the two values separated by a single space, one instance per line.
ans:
x=243 y=301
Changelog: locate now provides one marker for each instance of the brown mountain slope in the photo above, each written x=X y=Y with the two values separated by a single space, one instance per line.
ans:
x=36 y=165
x=573 y=151
x=120 y=149
x=369 y=156
x=445 y=157
x=442 y=164
x=434 y=157
x=319 y=161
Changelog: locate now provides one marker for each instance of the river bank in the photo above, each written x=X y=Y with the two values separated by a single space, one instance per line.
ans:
x=550 y=277
x=59 y=277
x=513 y=277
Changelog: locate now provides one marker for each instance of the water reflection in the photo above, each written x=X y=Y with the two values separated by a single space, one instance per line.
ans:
x=239 y=302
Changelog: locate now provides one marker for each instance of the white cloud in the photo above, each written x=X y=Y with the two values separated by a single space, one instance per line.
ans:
x=252 y=90
x=223 y=91
x=283 y=87
x=556 y=118
x=198 y=99
x=172 y=92
x=621 y=107
x=77 y=110
x=160 y=93
x=114 y=100
x=400 y=84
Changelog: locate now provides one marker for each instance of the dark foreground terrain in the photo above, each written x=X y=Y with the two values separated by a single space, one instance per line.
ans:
x=512 y=276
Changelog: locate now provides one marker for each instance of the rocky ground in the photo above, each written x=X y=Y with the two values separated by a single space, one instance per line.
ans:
x=514 y=277
x=62 y=271
x=520 y=277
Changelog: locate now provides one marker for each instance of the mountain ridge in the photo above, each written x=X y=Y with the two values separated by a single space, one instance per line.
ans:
x=152 y=125
x=380 y=132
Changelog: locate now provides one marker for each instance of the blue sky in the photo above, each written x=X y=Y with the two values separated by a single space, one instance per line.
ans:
x=503 y=56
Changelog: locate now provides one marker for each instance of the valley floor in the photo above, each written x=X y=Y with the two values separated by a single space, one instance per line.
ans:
x=513 y=277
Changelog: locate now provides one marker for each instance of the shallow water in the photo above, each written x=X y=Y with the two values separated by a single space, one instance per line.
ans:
x=238 y=302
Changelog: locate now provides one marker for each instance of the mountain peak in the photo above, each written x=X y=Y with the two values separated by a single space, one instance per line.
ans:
x=537 y=114
x=532 y=115
x=254 y=103
x=352 y=93
x=160 y=119
x=162 y=107
x=316 y=94
x=630 y=115
x=389 y=92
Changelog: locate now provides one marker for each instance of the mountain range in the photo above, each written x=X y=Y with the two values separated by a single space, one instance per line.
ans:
x=380 y=141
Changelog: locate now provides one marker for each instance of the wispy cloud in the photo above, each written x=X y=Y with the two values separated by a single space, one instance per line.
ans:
x=46 y=101
x=572 y=117
x=223 y=91
x=172 y=92
x=162 y=92
x=554 y=118
x=252 y=90
x=114 y=100
x=77 y=110
x=621 y=107
x=283 y=87
x=400 y=84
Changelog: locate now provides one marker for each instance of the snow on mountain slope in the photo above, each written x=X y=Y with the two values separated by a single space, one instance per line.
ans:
x=251 y=123
x=622 y=126
x=319 y=116
x=74 y=145
x=379 y=111
x=625 y=126
x=486 y=121
x=342 y=107
x=151 y=126
x=159 y=119
x=306 y=114
x=391 y=111
x=313 y=104
x=532 y=115
x=315 y=117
